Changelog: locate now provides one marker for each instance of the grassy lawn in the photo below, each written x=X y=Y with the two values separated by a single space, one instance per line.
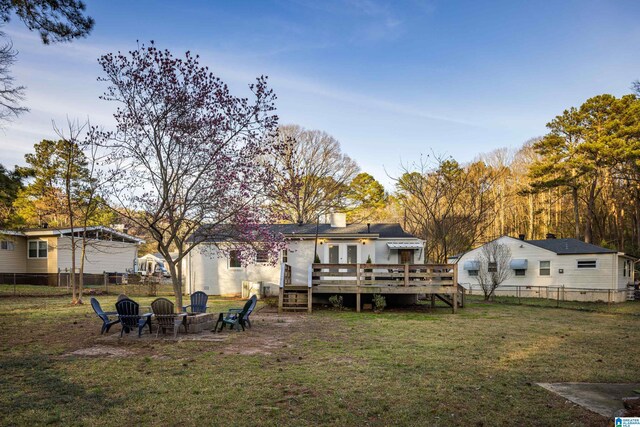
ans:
x=397 y=368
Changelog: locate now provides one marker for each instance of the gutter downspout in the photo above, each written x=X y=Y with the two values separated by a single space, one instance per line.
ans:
x=315 y=243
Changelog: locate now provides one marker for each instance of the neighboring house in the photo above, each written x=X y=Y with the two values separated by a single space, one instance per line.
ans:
x=48 y=250
x=540 y=267
x=337 y=243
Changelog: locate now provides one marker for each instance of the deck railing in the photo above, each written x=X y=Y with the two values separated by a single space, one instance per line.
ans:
x=383 y=274
x=285 y=275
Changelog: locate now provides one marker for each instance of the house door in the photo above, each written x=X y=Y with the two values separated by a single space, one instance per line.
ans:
x=352 y=254
x=406 y=256
x=334 y=254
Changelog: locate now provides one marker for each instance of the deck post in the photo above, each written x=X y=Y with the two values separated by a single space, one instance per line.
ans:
x=309 y=299
x=357 y=274
x=358 y=300
x=433 y=300
x=454 y=298
x=455 y=274
x=406 y=274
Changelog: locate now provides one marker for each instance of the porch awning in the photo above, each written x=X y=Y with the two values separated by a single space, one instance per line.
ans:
x=519 y=264
x=471 y=265
x=404 y=245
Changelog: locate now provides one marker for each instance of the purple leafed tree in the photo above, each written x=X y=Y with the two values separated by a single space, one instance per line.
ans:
x=188 y=157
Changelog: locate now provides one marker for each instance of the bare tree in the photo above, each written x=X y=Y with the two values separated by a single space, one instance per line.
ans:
x=185 y=155
x=73 y=174
x=310 y=174
x=494 y=267
x=10 y=95
x=55 y=21
x=447 y=205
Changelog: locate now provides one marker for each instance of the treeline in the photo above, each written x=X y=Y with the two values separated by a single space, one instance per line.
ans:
x=581 y=179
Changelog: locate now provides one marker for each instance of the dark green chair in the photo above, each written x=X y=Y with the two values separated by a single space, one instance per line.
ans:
x=237 y=316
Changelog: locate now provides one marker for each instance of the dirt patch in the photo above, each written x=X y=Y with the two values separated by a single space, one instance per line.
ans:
x=101 y=351
x=270 y=333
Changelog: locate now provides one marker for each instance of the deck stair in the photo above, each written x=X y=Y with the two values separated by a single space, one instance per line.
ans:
x=295 y=298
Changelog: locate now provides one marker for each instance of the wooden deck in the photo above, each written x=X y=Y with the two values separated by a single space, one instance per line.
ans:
x=435 y=280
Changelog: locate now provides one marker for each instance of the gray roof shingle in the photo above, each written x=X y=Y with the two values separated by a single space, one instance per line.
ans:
x=570 y=247
x=383 y=230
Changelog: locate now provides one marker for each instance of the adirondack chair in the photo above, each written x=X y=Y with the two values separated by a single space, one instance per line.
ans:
x=130 y=317
x=198 y=303
x=104 y=315
x=166 y=317
x=237 y=316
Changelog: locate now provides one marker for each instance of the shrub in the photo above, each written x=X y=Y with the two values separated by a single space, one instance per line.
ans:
x=271 y=302
x=316 y=260
x=379 y=302
x=368 y=260
x=337 y=301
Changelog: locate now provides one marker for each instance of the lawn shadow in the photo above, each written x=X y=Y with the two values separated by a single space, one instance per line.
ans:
x=33 y=391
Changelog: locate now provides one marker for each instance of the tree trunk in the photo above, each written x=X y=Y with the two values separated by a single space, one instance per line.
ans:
x=81 y=275
x=576 y=212
x=591 y=207
x=74 y=295
x=176 y=281
x=531 y=217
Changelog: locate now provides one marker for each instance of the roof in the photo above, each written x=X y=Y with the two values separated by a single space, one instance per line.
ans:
x=11 y=233
x=570 y=247
x=380 y=230
x=52 y=231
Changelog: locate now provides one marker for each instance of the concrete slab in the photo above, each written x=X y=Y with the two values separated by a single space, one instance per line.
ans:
x=602 y=398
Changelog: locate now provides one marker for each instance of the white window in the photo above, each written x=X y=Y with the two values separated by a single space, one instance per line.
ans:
x=520 y=272
x=262 y=256
x=7 y=245
x=493 y=267
x=234 y=259
x=587 y=263
x=473 y=273
x=545 y=268
x=285 y=256
x=37 y=249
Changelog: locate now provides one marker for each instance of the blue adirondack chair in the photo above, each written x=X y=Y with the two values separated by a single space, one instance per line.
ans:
x=104 y=316
x=237 y=316
x=130 y=317
x=198 y=303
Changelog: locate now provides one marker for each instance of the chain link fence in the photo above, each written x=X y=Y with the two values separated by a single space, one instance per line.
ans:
x=556 y=296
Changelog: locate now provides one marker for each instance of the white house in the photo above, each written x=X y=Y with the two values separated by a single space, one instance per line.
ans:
x=335 y=243
x=580 y=270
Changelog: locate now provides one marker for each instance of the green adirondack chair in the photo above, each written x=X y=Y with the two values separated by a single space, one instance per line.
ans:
x=237 y=316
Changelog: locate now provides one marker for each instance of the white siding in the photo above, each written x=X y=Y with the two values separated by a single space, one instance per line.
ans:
x=605 y=276
x=206 y=271
x=101 y=256
x=14 y=261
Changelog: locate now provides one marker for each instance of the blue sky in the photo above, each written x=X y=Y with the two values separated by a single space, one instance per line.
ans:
x=389 y=79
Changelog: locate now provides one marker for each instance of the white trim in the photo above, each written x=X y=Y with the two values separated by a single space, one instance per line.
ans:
x=229 y=261
x=38 y=249
x=539 y=268
x=62 y=231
